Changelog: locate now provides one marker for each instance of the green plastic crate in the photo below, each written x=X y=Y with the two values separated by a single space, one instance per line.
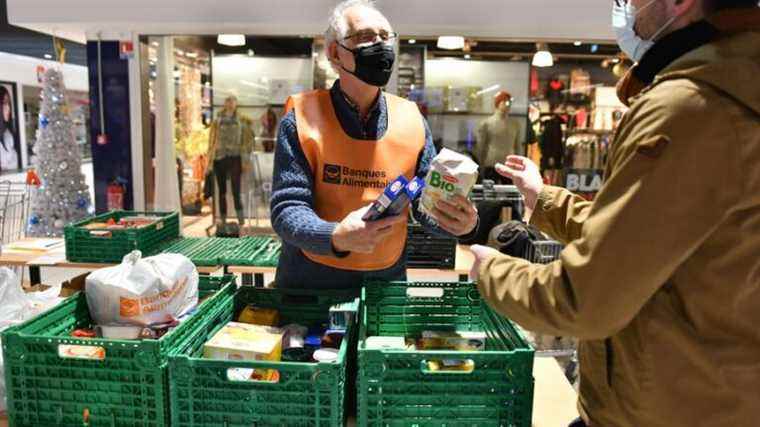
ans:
x=202 y=251
x=254 y=251
x=82 y=245
x=128 y=388
x=307 y=394
x=396 y=388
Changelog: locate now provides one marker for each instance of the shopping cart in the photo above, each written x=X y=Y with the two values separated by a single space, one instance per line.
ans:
x=14 y=213
x=260 y=192
x=564 y=349
x=14 y=210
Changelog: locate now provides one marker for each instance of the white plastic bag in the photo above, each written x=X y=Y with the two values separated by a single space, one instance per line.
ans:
x=142 y=291
x=17 y=306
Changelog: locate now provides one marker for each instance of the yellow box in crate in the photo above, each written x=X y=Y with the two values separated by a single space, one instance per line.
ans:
x=241 y=341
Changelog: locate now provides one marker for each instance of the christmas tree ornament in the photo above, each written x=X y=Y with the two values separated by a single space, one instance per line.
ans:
x=61 y=196
x=32 y=178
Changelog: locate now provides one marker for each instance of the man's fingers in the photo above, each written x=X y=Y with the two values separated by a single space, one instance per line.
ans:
x=506 y=171
x=451 y=225
x=385 y=222
x=515 y=166
x=517 y=159
x=478 y=250
x=450 y=211
x=464 y=204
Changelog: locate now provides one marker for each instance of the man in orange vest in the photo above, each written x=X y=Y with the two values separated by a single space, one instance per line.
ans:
x=336 y=152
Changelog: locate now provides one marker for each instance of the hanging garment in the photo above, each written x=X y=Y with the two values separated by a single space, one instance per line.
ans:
x=552 y=147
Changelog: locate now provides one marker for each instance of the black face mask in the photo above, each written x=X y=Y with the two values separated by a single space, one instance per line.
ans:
x=374 y=63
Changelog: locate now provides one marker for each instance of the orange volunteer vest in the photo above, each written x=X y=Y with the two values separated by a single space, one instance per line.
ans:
x=349 y=173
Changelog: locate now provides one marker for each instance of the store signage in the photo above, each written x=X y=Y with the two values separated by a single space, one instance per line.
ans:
x=126 y=49
x=584 y=180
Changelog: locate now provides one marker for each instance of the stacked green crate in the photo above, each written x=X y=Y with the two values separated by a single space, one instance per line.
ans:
x=255 y=251
x=127 y=386
x=110 y=246
x=306 y=394
x=398 y=388
x=202 y=251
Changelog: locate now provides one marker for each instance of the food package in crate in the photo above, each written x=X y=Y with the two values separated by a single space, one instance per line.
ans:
x=243 y=341
x=135 y=221
x=143 y=291
x=450 y=174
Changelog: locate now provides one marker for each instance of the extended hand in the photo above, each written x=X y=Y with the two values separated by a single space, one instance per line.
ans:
x=482 y=254
x=526 y=176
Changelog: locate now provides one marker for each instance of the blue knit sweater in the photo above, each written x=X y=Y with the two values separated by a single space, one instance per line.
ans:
x=292 y=204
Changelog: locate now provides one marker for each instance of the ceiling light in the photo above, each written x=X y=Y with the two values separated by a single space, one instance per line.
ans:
x=467 y=56
x=231 y=39
x=578 y=43
x=191 y=54
x=542 y=58
x=48 y=56
x=412 y=41
x=250 y=52
x=451 y=42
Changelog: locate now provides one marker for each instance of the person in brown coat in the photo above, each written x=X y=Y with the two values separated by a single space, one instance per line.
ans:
x=660 y=276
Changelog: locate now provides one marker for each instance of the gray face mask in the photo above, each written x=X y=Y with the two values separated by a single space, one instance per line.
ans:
x=624 y=22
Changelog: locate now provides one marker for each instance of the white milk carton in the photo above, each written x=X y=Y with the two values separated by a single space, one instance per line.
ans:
x=450 y=174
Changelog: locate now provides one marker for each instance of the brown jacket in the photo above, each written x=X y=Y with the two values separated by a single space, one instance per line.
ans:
x=660 y=278
x=247 y=141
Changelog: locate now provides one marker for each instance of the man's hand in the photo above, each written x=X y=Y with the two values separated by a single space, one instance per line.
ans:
x=355 y=235
x=458 y=215
x=526 y=176
x=482 y=254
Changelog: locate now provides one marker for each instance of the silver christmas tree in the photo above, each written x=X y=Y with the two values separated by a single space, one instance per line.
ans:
x=62 y=197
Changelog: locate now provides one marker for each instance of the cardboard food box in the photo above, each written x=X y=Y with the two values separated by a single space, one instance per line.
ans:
x=459 y=341
x=241 y=341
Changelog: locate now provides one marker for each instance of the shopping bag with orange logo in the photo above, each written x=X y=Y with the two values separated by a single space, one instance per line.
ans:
x=143 y=291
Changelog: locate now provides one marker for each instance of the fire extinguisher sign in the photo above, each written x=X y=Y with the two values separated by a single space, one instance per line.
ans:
x=126 y=49
x=115 y=196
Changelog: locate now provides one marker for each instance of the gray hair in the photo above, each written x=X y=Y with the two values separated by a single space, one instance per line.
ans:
x=338 y=27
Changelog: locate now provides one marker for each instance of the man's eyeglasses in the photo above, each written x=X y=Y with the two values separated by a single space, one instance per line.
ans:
x=364 y=37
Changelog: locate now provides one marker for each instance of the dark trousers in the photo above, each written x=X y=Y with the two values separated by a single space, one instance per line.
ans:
x=229 y=167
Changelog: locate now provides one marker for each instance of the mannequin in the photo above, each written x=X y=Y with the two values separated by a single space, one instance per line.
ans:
x=230 y=145
x=497 y=137
x=269 y=129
